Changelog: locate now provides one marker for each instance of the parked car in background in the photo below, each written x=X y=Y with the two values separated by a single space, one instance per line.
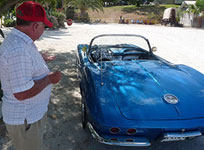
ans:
x=132 y=97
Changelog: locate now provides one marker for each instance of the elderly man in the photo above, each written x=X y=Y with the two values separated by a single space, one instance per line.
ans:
x=25 y=78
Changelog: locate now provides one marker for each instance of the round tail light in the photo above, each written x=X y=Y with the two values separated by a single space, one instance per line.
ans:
x=114 y=130
x=131 y=131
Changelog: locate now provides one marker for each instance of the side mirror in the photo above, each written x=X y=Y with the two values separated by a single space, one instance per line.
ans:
x=154 y=49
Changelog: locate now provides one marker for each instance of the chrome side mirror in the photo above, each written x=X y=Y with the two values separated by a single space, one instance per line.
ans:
x=154 y=49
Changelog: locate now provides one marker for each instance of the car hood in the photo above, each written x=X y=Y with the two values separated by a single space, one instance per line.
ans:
x=139 y=86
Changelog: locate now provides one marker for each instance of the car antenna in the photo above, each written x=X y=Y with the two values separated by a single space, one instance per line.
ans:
x=101 y=70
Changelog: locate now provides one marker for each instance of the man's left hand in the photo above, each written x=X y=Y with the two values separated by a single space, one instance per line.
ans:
x=47 y=57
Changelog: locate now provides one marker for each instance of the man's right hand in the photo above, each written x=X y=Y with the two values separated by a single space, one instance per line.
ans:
x=55 y=77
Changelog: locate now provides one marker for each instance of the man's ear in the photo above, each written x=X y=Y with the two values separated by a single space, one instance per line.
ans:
x=35 y=26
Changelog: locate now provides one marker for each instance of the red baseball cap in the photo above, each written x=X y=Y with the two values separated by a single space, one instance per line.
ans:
x=32 y=11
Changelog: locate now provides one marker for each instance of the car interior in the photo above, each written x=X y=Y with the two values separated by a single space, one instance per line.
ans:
x=110 y=53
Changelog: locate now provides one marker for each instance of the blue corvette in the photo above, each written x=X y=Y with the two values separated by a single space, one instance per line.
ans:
x=132 y=97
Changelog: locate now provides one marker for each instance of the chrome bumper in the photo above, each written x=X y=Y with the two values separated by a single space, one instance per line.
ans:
x=116 y=143
x=176 y=136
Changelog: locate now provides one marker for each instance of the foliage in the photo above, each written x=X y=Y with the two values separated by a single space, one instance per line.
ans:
x=70 y=13
x=60 y=18
x=9 y=23
x=6 y=4
x=195 y=9
x=48 y=4
x=135 y=2
x=200 y=5
x=84 y=5
x=169 y=5
x=54 y=22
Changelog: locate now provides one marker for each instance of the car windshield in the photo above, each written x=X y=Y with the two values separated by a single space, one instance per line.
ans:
x=118 y=48
x=119 y=42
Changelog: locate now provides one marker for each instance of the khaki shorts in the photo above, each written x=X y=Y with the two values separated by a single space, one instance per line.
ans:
x=27 y=136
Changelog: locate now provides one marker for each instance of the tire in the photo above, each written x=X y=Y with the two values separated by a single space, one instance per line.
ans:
x=83 y=113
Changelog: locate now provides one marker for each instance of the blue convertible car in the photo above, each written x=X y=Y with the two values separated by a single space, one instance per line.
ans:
x=132 y=97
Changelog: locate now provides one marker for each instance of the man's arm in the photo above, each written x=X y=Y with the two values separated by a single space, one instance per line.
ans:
x=39 y=85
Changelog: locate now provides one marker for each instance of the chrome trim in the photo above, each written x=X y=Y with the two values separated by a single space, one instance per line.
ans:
x=170 y=98
x=116 y=143
x=176 y=136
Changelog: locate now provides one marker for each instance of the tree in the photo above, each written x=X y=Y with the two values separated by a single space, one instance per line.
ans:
x=197 y=8
x=5 y=4
x=84 y=5
x=200 y=5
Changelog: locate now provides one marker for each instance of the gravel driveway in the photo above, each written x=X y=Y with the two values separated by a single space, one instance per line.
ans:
x=64 y=131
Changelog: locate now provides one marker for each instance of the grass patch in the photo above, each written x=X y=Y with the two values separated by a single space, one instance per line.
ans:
x=170 y=5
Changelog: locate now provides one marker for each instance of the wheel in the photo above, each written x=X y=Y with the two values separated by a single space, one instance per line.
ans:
x=83 y=113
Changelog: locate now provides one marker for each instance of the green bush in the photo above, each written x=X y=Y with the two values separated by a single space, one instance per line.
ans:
x=70 y=13
x=54 y=22
x=60 y=18
x=9 y=23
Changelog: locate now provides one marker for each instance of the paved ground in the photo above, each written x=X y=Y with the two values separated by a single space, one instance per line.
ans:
x=64 y=132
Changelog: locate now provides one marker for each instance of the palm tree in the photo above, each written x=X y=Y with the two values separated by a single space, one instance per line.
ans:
x=200 y=5
x=84 y=5
x=192 y=9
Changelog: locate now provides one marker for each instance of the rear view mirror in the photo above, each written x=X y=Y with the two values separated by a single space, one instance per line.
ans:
x=154 y=49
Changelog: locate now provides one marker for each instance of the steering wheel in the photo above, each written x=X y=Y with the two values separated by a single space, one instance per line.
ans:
x=102 y=53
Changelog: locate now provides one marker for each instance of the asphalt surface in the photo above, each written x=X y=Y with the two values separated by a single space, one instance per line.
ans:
x=64 y=131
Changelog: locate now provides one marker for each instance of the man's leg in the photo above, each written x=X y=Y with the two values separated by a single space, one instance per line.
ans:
x=27 y=136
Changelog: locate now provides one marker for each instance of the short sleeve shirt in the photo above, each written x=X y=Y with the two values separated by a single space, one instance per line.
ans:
x=21 y=64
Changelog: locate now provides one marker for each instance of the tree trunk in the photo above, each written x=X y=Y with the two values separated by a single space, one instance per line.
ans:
x=62 y=3
x=6 y=5
x=84 y=15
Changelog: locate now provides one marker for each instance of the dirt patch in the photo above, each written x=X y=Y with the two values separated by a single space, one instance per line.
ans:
x=112 y=14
